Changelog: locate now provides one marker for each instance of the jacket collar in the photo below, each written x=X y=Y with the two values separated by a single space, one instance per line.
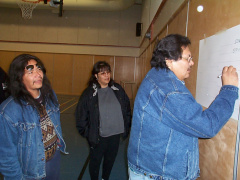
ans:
x=174 y=76
x=95 y=89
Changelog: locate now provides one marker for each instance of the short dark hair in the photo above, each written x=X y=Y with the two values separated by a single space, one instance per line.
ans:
x=17 y=87
x=169 y=47
x=98 y=67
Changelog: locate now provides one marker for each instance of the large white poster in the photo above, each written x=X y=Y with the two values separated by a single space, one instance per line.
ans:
x=215 y=52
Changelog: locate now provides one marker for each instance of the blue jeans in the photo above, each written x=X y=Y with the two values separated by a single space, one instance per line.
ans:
x=53 y=167
x=135 y=176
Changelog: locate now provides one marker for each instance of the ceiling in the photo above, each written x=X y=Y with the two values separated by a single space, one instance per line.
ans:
x=88 y=5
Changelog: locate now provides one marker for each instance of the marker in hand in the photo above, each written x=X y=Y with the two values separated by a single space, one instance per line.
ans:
x=220 y=75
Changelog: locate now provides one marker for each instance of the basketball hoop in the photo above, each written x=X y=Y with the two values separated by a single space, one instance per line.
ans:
x=27 y=7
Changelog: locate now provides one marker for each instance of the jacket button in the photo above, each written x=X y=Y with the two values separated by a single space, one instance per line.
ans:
x=42 y=159
x=145 y=174
x=150 y=176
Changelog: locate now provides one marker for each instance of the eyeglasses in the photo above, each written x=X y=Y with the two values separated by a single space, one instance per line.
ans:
x=105 y=73
x=30 y=68
x=189 y=59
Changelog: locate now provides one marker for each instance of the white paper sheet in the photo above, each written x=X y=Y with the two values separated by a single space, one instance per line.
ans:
x=215 y=52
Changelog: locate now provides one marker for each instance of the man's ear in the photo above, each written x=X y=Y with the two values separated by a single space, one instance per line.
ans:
x=96 y=76
x=169 y=63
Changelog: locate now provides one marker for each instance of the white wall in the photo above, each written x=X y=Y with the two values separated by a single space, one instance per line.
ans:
x=149 y=9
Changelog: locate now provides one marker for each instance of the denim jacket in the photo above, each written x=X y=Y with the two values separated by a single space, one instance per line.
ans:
x=21 y=148
x=166 y=125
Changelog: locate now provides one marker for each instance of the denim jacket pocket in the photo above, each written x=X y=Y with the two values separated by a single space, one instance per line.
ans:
x=54 y=113
x=25 y=132
x=52 y=110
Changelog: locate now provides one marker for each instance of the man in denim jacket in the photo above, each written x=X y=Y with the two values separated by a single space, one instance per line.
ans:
x=30 y=131
x=167 y=121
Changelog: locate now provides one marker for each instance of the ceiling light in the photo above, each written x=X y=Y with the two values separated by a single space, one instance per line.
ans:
x=200 y=8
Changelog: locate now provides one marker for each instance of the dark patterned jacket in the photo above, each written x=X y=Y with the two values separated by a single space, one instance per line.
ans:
x=87 y=113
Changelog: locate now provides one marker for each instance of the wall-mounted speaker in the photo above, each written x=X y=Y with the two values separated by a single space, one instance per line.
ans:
x=138 y=29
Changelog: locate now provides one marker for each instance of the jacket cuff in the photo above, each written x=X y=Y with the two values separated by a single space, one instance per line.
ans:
x=230 y=91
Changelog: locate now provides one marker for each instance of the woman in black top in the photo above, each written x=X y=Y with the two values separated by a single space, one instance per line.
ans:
x=103 y=114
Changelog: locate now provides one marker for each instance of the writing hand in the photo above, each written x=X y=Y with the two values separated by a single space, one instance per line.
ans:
x=229 y=76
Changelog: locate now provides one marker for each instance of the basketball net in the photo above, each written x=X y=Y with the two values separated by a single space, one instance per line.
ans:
x=27 y=7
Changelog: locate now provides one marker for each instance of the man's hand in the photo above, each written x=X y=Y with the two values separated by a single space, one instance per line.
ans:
x=229 y=76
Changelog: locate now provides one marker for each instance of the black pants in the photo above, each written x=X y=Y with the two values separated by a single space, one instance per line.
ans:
x=107 y=150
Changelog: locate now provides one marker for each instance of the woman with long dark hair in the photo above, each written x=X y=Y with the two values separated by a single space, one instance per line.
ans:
x=30 y=129
x=103 y=114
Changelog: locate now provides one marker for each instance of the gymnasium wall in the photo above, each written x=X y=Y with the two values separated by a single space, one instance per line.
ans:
x=77 y=32
x=78 y=39
x=70 y=45
x=69 y=73
x=216 y=154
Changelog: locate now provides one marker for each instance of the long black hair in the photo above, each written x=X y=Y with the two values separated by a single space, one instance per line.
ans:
x=17 y=87
x=98 y=67
x=169 y=47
